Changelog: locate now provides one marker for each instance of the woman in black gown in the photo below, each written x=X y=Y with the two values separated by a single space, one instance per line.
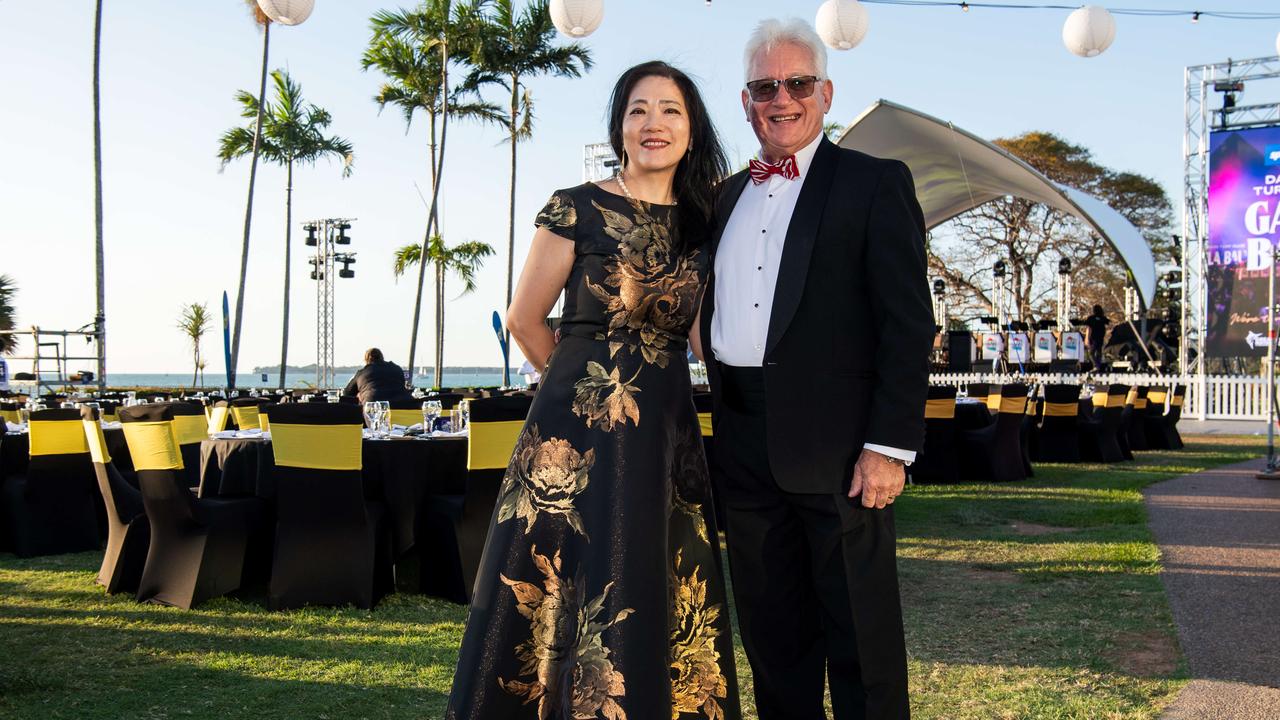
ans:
x=600 y=593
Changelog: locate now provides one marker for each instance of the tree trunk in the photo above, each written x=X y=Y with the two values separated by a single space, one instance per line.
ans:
x=248 y=212
x=439 y=369
x=100 y=318
x=435 y=199
x=288 y=231
x=511 y=229
x=195 y=358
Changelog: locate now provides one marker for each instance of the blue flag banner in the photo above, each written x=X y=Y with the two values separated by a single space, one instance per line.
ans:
x=502 y=340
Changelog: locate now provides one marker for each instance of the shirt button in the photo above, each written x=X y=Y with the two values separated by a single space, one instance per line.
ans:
x=757 y=305
x=759 y=267
x=764 y=231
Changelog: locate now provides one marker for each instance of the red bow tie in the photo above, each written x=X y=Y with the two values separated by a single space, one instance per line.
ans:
x=786 y=167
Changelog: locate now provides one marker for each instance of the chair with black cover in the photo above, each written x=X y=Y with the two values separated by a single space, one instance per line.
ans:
x=9 y=413
x=1175 y=413
x=702 y=405
x=1058 y=437
x=457 y=525
x=1099 y=431
x=219 y=414
x=994 y=453
x=406 y=412
x=1161 y=434
x=191 y=428
x=1134 y=436
x=197 y=548
x=244 y=413
x=54 y=507
x=938 y=461
x=128 y=531
x=332 y=547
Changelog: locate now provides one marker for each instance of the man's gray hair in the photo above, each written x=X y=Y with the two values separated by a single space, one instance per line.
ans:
x=771 y=33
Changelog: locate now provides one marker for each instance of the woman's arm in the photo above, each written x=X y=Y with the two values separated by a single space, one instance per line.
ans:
x=695 y=336
x=544 y=275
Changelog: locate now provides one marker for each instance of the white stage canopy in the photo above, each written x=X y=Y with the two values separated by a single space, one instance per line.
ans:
x=956 y=171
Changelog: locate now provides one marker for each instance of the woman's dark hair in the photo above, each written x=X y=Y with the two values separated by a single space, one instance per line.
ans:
x=1097 y=310
x=700 y=170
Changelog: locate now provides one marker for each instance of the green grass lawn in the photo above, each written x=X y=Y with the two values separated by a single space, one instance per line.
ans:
x=1034 y=600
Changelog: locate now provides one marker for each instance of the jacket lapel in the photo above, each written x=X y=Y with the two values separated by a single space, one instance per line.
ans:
x=798 y=246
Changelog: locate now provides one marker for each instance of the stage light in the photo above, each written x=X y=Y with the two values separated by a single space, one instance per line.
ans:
x=1195 y=17
x=1064 y=266
x=964 y=6
x=346 y=273
x=841 y=24
x=1089 y=31
x=999 y=269
x=317 y=275
x=311 y=234
x=342 y=238
x=577 y=18
x=939 y=286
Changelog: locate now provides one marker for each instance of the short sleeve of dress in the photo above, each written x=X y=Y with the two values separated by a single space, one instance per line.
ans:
x=559 y=215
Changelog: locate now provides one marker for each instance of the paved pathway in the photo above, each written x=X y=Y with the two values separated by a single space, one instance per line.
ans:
x=1219 y=535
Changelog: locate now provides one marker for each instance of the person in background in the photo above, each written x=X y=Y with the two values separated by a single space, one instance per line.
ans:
x=1097 y=324
x=377 y=380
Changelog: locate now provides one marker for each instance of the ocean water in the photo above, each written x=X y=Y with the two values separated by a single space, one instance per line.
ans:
x=296 y=380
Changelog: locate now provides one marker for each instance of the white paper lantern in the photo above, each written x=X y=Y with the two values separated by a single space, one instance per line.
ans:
x=842 y=23
x=287 y=12
x=577 y=18
x=1089 y=31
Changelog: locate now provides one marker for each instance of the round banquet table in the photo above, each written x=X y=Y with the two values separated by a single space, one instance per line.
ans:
x=15 y=450
x=402 y=473
x=972 y=415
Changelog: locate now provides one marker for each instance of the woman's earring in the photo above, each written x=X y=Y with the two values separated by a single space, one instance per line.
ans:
x=624 y=161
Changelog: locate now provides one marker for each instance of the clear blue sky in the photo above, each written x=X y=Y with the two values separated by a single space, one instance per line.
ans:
x=173 y=222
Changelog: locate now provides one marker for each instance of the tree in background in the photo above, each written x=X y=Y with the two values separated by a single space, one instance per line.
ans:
x=415 y=49
x=261 y=20
x=8 y=314
x=514 y=48
x=462 y=260
x=1031 y=237
x=292 y=133
x=194 y=321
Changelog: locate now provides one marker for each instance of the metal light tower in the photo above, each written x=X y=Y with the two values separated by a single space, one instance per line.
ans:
x=1064 y=295
x=325 y=235
x=598 y=162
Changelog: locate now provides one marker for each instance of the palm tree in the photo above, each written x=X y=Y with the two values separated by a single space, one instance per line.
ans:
x=414 y=49
x=462 y=260
x=291 y=133
x=514 y=48
x=8 y=316
x=193 y=321
x=99 y=276
x=260 y=18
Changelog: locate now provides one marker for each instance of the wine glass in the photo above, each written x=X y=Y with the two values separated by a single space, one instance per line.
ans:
x=461 y=415
x=430 y=411
x=371 y=417
x=384 y=418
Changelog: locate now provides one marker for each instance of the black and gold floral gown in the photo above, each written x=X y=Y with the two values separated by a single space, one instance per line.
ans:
x=600 y=593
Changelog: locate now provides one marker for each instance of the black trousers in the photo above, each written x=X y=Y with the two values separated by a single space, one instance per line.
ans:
x=815 y=579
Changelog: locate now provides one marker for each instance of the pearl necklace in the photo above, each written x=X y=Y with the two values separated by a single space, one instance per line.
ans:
x=622 y=184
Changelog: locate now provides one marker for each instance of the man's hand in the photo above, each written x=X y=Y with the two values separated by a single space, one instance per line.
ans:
x=877 y=478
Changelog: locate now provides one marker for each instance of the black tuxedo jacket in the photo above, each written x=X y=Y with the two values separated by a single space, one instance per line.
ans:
x=846 y=359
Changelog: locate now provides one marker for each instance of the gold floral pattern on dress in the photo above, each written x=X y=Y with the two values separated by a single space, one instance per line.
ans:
x=696 y=680
x=604 y=399
x=559 y=213
x=565 y=664
x=650 y=292
x=544 y=477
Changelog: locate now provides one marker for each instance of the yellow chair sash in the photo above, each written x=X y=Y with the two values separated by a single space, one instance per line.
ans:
x=1015 y=405
x=317 y=447
x=152 y=445
x=111 y=417
x=940 y=409
x=492 y=443
x=1176 y=401
x=993 y=402
x=406 y=417
x=1157 y=396
x=1115 y=401
x=208 y=411
x=10 y=415
x=1061 y=409
x=1140 y=403
x=246 y=417
x=190 y=429
x=1099 y=400
x=57 y=437
x=264 y=423
x=218 y=420
x=1132 y=397
x=97 y=442
x=704 y=424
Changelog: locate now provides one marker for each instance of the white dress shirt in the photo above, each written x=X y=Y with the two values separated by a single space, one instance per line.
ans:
x=746 y=269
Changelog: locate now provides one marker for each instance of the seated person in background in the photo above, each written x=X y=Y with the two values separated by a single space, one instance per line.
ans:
x=377 y=380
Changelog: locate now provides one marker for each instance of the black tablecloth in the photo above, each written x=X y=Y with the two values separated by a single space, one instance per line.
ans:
x=15 y=451
x=972 y=416
x=400 y=473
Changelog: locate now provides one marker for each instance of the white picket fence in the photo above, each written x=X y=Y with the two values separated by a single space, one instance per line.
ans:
x=1221 y=397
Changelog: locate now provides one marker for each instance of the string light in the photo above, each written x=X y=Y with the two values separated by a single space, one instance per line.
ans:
x=1195 y=17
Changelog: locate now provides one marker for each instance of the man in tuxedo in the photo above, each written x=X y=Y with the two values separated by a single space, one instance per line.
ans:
x=818 y=323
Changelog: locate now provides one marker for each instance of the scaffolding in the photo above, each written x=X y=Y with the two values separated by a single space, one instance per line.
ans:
x=49 y=358
x=1199 y=81
x=325 y=235
x=598 y=162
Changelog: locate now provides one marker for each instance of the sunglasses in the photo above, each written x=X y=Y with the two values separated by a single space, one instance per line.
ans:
x=798 y=87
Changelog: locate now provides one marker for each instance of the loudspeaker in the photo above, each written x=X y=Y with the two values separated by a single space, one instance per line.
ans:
x=959 y=351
